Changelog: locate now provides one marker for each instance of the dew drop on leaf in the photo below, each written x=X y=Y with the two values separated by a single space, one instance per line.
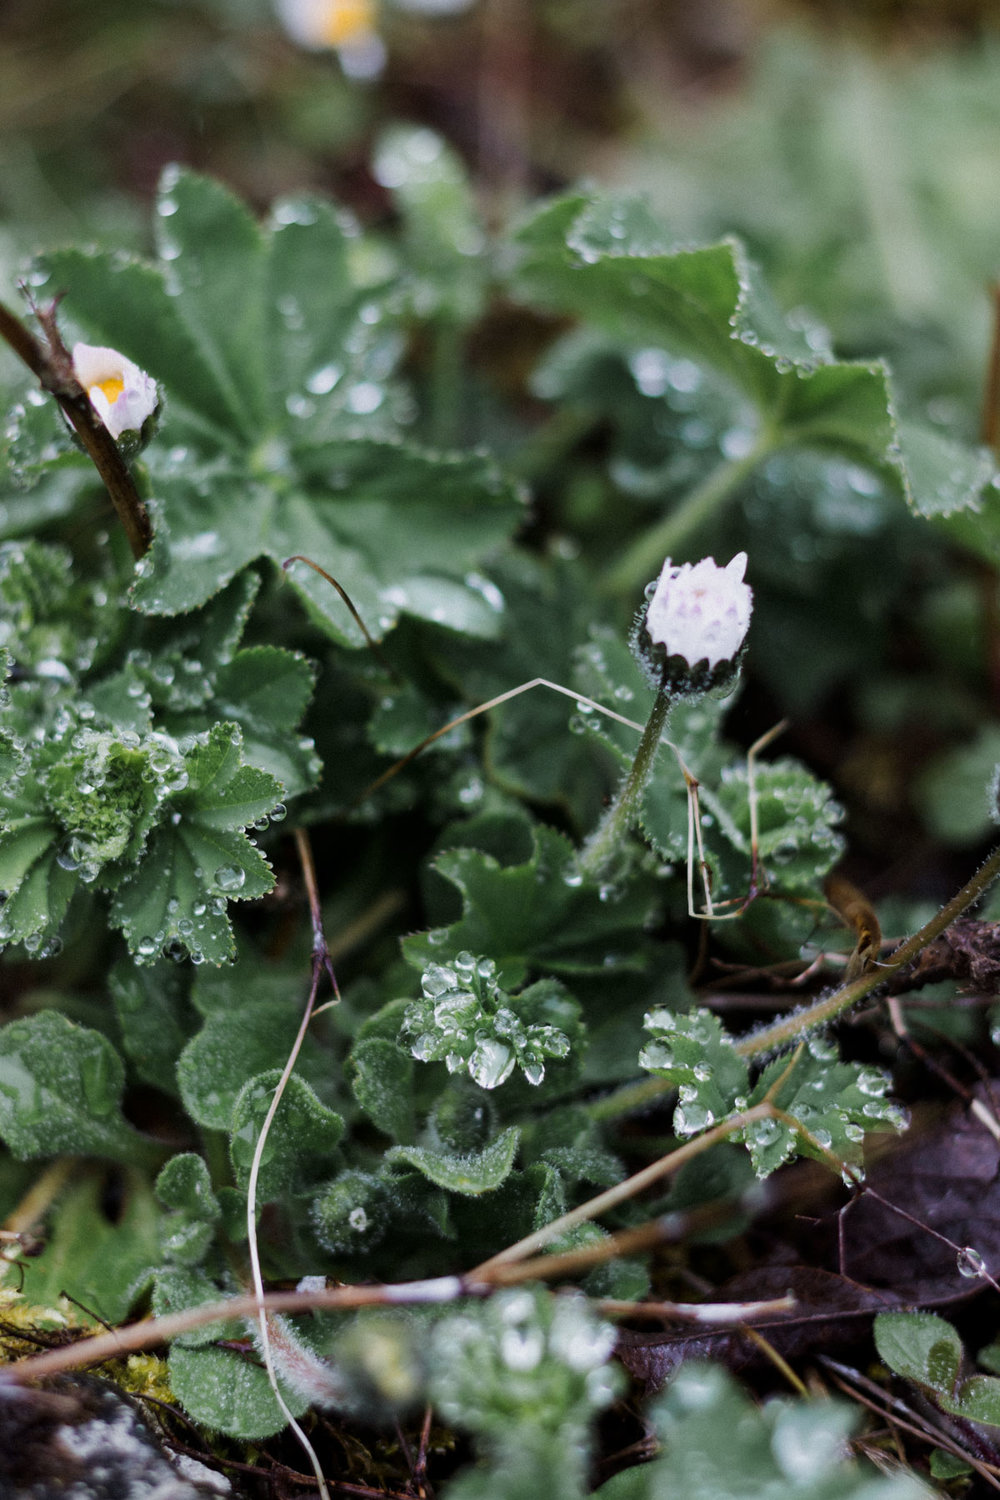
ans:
x=230 y=877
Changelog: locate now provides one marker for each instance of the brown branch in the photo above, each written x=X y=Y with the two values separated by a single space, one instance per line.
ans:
x=54 y=369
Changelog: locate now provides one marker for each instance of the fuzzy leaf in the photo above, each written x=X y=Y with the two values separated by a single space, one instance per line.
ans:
x=60 y=1091
x=153 y=1015
x=472 y=1174
x=382 y=1082
x=302 y=1138
x=232 y=1047
x=783 y=1451
x=924 y=1348
x=228 y=1393
x=184 y=1186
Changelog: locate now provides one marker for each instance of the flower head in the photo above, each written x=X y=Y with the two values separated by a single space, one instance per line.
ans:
x=345 y=26
x=123 y=396
x=701 y=612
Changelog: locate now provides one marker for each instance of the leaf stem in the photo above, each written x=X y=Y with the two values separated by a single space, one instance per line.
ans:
x=54 y=368
x=792 y=1028
x=645 y=557
x=623 y=812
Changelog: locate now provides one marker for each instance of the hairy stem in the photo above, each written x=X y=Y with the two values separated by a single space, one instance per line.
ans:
x=827 y=1008
x=607 y=837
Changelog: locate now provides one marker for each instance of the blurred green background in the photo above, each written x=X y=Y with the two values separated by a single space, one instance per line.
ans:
x=855 y=147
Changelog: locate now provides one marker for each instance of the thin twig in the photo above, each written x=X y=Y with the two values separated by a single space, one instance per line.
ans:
x=320 y=963
x=154 y=1331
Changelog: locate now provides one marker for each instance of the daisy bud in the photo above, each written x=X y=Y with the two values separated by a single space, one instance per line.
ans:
x=124 y=397
x=695 y=623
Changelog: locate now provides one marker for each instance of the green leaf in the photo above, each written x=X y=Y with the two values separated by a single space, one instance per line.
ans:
x=184 y=1186
x=381 y=1076
x=103 y=1263
x=300 y=1142
x=40 y=887
x=786 y=1450
x=693 y=1052
x=228 y=1393
x=541 y=914
x=550 y=608
x=153 y=1015
x=312 y=299
x=946 y=479
x=178 y=1288
x=177 y=898
x=266 y=691
x=978 y=1400
x=610 y=262
x=920 y=1347
x=235 y=1045
x=924 y=1348
x=60 y=1091
x=442 y=238
x=295 y=470
x=399 y=528
x=957 y=791
x=472 y=1174
x=837 y=1103
x=126 y=304
x=215 y=267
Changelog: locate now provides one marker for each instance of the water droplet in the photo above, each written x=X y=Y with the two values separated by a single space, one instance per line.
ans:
x=322 y=381
x=970 y=1263
x=230 y=878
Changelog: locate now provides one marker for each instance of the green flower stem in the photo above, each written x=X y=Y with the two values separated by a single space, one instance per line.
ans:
x=793 y=1028
x=645 y=558
x=624 y=810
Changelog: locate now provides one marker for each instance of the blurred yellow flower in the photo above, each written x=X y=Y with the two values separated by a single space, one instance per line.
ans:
x=347 y=26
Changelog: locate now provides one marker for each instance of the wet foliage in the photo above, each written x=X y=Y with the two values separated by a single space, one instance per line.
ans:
x=619 y=1121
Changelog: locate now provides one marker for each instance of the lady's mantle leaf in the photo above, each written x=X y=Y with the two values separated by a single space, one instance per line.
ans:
x=178 y=895
x=281 y=404
x=101 y=1262
x=542 y=915
x=612 y=263
x=60 y=1091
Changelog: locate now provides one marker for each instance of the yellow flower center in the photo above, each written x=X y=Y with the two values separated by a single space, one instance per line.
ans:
x=112 y=388
x=346 y=21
